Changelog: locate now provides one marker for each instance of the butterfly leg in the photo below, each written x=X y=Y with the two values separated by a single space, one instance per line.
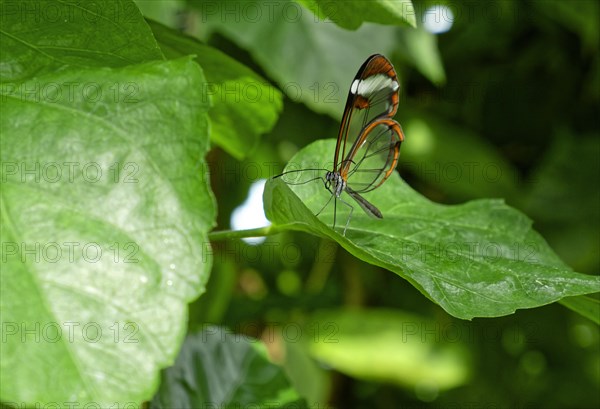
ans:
x=334 y=214
x=349 y=216
x=328 y=188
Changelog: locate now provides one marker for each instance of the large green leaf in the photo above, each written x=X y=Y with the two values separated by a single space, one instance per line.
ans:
x=218 y=368
x=105 y=213
x=39 y=37
x=244 y=104
x=104 y=205
x=351 y=14
x=478 y=259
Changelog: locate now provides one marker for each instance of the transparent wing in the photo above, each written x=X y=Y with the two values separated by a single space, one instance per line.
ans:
x=373 y=95
x=374 y=156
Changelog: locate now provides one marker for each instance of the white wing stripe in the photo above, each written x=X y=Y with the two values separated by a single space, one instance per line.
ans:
x=373 y=84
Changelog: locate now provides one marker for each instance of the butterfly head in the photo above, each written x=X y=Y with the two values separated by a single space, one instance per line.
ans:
x=335 y=183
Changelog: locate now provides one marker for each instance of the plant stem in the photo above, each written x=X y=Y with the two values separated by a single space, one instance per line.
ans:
x=239 y=234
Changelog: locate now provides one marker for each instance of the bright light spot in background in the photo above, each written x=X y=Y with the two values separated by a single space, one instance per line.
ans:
x=422 y=137
x=438 y=19
x=250 y=214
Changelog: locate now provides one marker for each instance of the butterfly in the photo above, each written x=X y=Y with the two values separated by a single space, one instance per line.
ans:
x=368 y=143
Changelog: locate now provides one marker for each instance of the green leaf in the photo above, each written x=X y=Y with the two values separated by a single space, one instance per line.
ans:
x=351 y=14
x=44 y=36
x=105 y=212
x=244 y=104
x=477 y=259
x=221 y=369
x=390 y=346
x=585 y=305
x=167 y=12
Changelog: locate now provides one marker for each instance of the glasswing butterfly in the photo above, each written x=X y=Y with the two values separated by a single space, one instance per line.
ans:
x=368 y=143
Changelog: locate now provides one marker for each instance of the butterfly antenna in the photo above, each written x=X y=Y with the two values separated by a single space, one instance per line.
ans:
x=303 y=183
x=298 y=170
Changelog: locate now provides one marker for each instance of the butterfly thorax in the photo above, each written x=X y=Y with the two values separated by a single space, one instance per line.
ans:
x=335 y=183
